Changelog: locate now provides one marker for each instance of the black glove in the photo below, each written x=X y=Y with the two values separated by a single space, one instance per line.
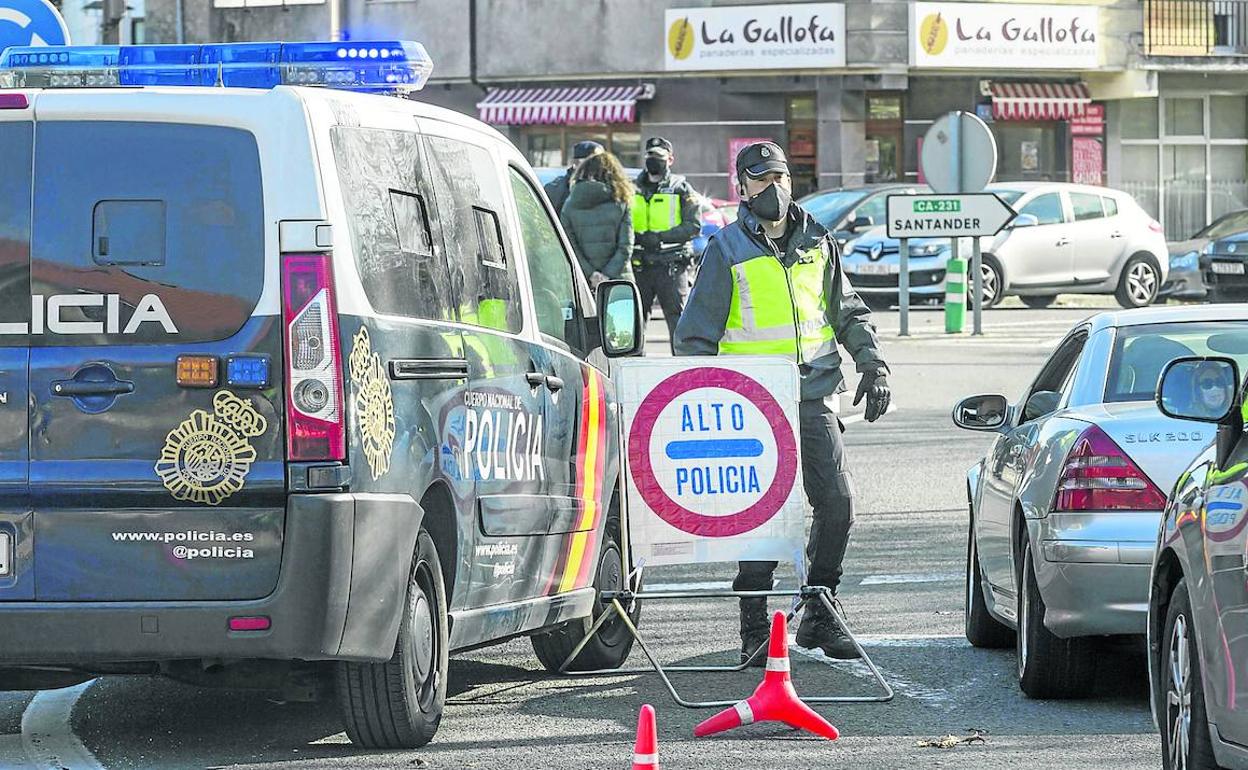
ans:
x=874 y=385
x=648 y=241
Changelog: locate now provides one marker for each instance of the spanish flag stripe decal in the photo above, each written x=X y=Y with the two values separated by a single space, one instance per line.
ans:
x=587 y=482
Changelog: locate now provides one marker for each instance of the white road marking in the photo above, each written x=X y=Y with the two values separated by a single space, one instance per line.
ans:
x=722 y=585
x=47 y=737
x=900 y=685
x=887 y=580
x=12 y=755
x=853 y=418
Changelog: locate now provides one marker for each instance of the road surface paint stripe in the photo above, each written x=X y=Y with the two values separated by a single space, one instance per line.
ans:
x=888 y=580
x=48 y=739
x=12 y=755
x=853 y=418
x=900 y=684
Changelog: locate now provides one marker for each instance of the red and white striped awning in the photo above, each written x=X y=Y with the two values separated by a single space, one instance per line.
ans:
x=1039 y=101
x=560 y=106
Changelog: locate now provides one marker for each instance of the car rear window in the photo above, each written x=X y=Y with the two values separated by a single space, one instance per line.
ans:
x=165 y=220
x=1141 y=353
x=16 y=143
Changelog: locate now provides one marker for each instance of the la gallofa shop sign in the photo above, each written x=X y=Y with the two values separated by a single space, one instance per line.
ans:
x=754 y=37
x=972 y=35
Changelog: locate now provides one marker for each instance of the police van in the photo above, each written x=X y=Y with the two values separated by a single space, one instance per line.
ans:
x=297 y=384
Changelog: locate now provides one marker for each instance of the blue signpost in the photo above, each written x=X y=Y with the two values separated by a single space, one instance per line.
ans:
x=31 y=22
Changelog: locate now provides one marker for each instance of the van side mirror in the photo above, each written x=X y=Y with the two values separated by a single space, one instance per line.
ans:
x=620 y=322
x=1200 y=389
x=981 y=412
x=1024 y=220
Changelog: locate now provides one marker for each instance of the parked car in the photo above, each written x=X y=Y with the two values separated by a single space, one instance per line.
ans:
x=1066 y=239
x=1223 y=263
x=1186 y=279
x=1065 y=505
x=1198 y=597
x=851 y=211
x=715 y=215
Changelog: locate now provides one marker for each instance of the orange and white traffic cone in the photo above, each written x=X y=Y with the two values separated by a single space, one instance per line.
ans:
x=775 y=700
x=646 y=749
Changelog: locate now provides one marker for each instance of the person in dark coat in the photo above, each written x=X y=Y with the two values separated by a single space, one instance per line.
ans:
x=557 y=188
x=598 y=219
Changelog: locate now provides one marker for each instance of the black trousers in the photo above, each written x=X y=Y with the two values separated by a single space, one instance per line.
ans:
x=670 y=283
x=829 y=488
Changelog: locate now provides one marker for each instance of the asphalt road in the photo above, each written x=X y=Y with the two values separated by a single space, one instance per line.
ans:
x=903 y=593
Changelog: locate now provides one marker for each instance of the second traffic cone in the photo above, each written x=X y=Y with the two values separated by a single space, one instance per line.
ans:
x=775 y=700
x=646 y=749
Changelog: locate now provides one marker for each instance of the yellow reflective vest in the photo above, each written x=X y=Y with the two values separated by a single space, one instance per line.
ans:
x=777 y=310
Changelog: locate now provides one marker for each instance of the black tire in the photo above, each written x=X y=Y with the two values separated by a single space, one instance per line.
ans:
x=1197 y=745
x=982 y=629
x=1038 y=301
x=1048 y=665
x=609 y=648
x=398 y=704
x=1139 y=282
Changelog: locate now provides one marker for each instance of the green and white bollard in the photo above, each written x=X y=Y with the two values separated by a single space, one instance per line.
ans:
x=955 y=296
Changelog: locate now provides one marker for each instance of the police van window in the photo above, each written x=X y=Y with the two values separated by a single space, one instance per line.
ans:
x=379 y=173
x=550 y=270
x=154 y=231
x=468 y=194
x=16 y=144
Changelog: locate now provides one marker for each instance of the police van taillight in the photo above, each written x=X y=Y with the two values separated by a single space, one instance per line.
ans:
x=315 y=424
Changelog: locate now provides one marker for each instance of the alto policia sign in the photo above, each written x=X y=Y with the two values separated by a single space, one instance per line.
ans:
x=946 y=216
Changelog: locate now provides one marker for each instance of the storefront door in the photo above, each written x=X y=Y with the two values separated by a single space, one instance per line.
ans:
x=1032 y=151
x=884 y=132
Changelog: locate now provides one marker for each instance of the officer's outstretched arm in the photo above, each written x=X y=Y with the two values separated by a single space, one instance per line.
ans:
x=702 y=323
x=851 y=318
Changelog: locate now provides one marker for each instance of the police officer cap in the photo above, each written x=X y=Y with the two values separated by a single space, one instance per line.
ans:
x=761 y=158
x=585 y=149
x=657 y=145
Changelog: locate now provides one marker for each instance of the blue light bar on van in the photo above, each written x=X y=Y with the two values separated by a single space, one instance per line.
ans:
x=375 y=66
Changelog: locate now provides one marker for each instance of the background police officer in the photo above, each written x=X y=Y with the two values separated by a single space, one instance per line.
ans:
x=771 y=284
x=558 y=188
x=665 y=222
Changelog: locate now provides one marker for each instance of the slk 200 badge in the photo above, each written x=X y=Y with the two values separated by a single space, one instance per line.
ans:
x=208 y=456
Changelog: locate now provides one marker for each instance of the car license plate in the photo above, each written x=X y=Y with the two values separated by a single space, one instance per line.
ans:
x=1228 y=268
x=6 y=548
x=877 y=269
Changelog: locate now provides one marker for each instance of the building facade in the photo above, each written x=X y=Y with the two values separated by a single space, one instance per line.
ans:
x=1147 y=95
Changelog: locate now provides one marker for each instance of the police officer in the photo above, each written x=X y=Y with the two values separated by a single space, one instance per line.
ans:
x=665 y=222
x=771 y=284
x=558 y=188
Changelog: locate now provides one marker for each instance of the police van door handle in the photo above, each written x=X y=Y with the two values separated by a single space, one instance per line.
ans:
x=553 y=383
x=75 y=388
x=429 y=369
x=535 y=379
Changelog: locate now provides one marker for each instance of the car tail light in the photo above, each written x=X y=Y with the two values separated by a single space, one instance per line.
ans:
x=1099 y=476
x=1155 y=226
x=315 y=425
x=14 y=102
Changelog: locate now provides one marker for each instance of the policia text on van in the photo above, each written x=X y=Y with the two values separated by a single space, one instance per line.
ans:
x=329 y=398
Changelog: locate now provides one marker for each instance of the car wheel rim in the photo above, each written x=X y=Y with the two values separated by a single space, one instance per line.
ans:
x=424 y=630
x=1024 y=618
x=1141 y=283
x=1179 y=694
x=990 y=284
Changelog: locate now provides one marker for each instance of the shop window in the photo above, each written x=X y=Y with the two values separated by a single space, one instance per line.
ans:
x=1047 y=209
x=1228 y=171
x=1228 y=117
x=1138 y=118
x=551 y=146
x=1086 y=206
x=884 y=108
x=1183 y=174
x=1140 y=176
x=884 y=138
x=1185 y=117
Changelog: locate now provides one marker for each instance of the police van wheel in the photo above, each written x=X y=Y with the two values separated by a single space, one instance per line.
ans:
x=611 y=645
x=398 y=704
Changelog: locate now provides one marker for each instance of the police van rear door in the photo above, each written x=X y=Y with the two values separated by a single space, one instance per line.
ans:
x=16 y=145
x=155 y=428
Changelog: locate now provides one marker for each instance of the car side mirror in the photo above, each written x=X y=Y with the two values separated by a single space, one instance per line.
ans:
x=621 y=325
x=861 y=223
x=981 y=412
x=1200 y=389
x=1024 y=220
x=1042 y=402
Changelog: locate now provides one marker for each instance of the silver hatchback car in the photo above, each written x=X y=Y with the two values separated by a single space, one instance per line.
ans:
x=1064 y=507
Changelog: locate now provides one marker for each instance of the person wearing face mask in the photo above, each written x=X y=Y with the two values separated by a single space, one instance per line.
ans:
x=771 y=283
x=665 y=222
x=558 y=188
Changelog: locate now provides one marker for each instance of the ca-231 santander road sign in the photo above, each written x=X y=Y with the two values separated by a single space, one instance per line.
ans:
x=947 y=216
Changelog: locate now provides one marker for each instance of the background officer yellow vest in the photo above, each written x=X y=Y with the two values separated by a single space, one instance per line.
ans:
x=661 y=212
x=777 y=310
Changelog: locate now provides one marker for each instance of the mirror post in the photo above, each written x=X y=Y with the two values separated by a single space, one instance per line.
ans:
x=977 y=260
x=903 y=287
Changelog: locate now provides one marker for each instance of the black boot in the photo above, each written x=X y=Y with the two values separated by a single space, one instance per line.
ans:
x=820 y=631
x=755 y=630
